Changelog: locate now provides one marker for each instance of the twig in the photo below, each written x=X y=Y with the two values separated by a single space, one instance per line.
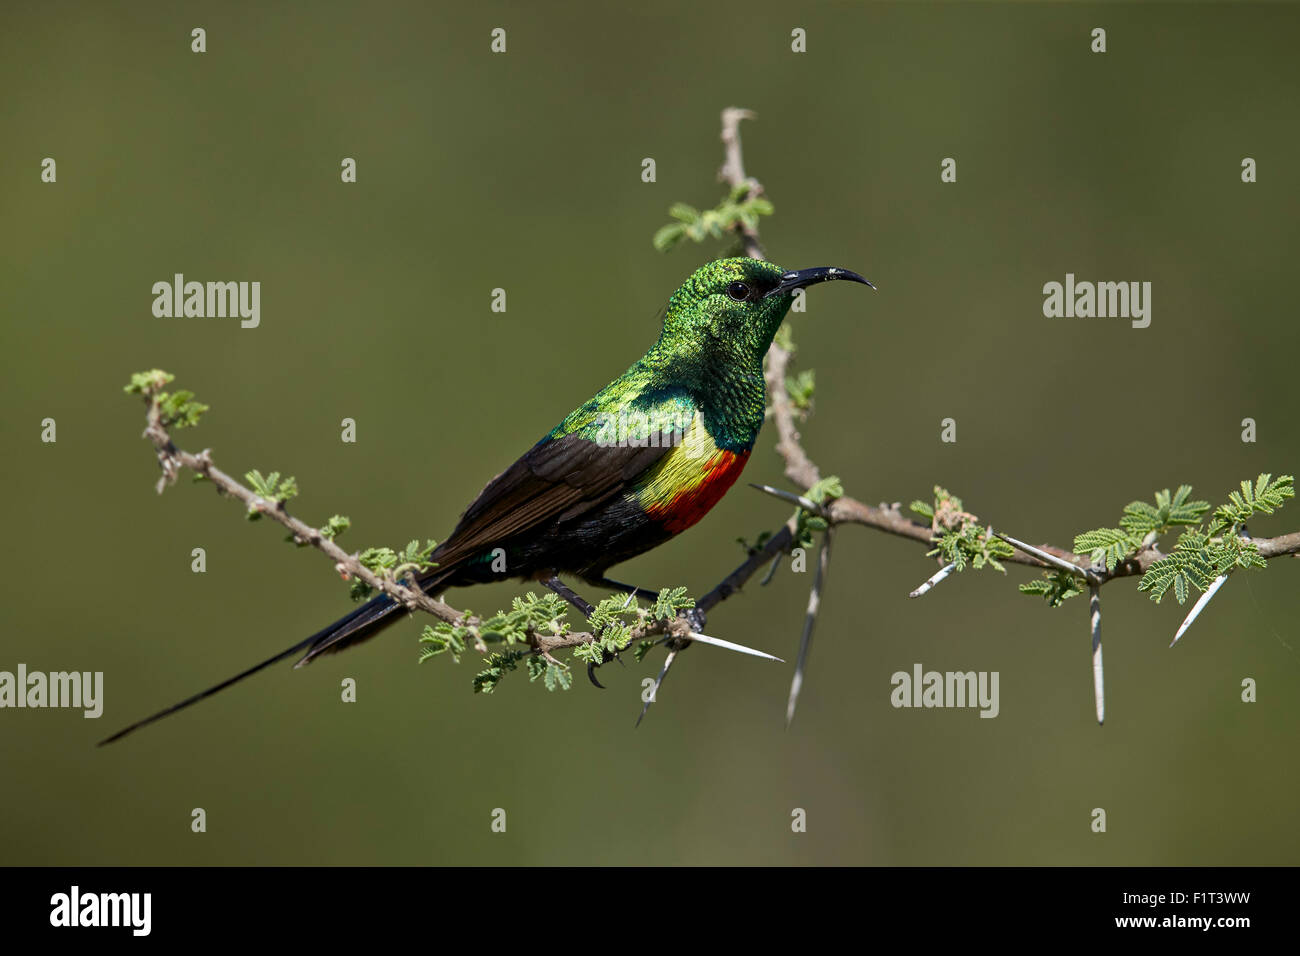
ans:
x=733 y=174
x=798 y=466
x=172 y=459
x=732 y=583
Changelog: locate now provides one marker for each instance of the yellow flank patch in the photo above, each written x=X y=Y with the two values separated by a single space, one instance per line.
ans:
x=690 y=479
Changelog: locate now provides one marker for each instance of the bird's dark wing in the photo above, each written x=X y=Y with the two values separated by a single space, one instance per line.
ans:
x=561 y=477
x=557 y=478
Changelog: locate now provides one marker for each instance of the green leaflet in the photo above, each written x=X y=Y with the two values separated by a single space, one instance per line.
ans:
x=735 y=209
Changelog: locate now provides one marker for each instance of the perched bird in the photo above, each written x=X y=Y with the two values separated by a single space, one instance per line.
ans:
x=644 y=459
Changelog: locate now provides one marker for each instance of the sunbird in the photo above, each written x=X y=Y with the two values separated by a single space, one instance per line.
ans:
x=637 y=464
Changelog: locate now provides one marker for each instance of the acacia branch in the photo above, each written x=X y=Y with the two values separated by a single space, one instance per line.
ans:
x=803 y=471
x=172 y=459
x=733 y=174
x=799 y=468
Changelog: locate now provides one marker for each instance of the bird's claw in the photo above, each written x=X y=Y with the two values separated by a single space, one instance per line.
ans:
x=696 y=619
x=606 y=657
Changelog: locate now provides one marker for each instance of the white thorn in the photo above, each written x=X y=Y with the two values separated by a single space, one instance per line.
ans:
x=796 y=685
x=1099 y=684
x=728 y=645
x=807 y=504
x=654 y=694
x=1199 y=606
x=934 y=579
x=1045 y=556
x=809 y=622
x=1098 y=675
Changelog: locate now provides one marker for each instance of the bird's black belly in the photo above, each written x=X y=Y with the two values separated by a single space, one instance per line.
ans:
x=584 y=546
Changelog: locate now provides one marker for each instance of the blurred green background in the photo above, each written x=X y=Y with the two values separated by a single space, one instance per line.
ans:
x=522 y=171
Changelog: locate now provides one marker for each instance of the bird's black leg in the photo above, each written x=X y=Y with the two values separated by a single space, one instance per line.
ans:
x=568 y=594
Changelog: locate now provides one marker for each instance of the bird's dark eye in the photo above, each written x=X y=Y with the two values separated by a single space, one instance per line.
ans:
x=738 y=291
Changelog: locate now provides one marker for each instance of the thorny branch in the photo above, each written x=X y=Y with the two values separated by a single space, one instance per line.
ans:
x=799 y=469
x=804 y=473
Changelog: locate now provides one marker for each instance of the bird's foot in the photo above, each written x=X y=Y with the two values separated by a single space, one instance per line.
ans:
x=694 y=618
x=606 y=657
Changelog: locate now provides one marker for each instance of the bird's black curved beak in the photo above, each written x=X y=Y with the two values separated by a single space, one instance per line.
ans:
x=803 y=278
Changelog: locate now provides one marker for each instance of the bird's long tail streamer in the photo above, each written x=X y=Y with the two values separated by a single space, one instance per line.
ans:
x=364 y=622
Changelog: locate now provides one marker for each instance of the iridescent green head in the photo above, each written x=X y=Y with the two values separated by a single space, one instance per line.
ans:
x=731 y=308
